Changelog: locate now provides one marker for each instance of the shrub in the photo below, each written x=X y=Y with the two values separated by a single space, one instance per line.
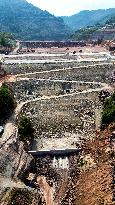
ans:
x=108 y=115
x=7 y=40
x=7 y=102
x=25 y=129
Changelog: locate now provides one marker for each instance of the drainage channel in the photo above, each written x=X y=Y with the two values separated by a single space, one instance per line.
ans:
x=51 y=175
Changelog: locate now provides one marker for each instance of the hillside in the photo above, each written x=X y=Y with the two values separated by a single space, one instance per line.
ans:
x=88 y=18
x=105 y=31
x=28 y=22
x=111 y=20
x=84 y=33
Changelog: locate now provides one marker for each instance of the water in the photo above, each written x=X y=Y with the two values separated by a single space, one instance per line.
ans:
x=61 y=163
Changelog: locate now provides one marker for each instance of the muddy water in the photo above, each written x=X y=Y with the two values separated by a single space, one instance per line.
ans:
x=46 y=189
x=58 y=166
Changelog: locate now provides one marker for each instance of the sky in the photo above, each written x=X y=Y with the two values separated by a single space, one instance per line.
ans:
x=69 y=7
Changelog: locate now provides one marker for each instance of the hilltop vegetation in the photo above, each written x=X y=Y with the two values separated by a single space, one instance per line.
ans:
x=28 y=22
x=111 y=20
x=86 y=33
x=88 y=18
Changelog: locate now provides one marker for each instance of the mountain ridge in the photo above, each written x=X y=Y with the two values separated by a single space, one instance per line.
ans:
x=88 y=18
x=28 y=22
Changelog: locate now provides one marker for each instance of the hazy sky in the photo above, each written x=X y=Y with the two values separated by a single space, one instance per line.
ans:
x=69 y=7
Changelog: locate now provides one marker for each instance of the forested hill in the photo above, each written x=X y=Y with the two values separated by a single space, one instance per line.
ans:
x=88 y=18
x=28 y=22
x=96 y=30
x=111 y=20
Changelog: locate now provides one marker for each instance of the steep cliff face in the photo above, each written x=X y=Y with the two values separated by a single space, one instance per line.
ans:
x=14 y=160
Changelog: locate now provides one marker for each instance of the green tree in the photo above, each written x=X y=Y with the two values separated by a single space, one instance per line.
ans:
x=7 y=103
x=7 y=40
x=108 y=115
x=84 y=33
x=25 y=129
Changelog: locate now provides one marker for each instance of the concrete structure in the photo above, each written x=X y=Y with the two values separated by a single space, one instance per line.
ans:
x=49 y=44
x=55 y=152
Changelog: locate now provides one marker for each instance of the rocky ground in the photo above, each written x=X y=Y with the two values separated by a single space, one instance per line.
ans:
x=83 y=179
x=89 y=180
x=92 y=181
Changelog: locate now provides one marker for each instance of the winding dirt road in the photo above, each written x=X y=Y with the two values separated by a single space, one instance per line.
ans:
x=10 y=127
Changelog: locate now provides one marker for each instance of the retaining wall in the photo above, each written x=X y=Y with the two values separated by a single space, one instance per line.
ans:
x=49 y=44
x=57 y=116
x=33 y=88
x=99 y=72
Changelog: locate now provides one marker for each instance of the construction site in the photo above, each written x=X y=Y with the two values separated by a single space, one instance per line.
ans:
x=60 y=87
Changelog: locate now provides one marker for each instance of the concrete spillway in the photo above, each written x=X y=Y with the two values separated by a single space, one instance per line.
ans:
x=55 y=152
x=61 y=163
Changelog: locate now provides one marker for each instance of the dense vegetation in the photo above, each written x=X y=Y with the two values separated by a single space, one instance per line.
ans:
x=7 y=40
x=111 y=20
x=7 y=103
x=108 y=115
x=25 y=129
x=88 y=18
x=28 y=22
x=84 y=33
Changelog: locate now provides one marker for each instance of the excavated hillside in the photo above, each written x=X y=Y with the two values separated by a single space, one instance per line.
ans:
x=95 y=184
x=82 y=178
x=92 y=183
